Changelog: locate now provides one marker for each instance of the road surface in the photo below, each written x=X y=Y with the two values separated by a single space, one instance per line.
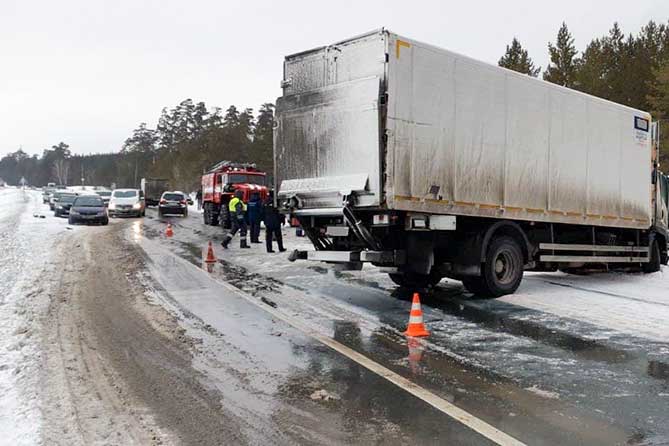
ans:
x=121 y=335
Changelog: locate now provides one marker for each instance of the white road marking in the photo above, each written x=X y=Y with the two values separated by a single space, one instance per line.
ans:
x=460 y=415
x=464 y=417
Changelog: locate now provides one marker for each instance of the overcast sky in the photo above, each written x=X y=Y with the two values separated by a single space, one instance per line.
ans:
x=87 y=72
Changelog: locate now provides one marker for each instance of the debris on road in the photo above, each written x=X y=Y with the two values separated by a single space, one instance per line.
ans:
x=323 y=395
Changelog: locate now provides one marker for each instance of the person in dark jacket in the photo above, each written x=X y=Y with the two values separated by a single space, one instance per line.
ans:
x=273 y=222
x=237 y=209
x=198 y=197
x=254 y=212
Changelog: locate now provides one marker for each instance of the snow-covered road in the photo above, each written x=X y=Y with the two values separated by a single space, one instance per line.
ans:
x=27 y=249
x=598 y=342
x=121 y=311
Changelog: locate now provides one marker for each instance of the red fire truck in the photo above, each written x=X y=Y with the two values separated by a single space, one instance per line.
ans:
x=221 y=182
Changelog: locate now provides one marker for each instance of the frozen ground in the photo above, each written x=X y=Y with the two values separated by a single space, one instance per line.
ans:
x=577 y=339
x=27 y=248
x=120 y=335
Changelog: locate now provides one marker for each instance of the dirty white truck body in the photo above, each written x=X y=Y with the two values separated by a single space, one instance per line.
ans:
x=417 y=159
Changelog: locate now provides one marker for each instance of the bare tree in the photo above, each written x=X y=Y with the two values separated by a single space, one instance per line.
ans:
x=61 y=169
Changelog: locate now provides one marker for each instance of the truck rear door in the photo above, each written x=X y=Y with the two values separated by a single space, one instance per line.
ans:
x=327 y=136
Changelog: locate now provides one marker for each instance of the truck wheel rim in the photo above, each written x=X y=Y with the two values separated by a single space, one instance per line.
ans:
x=504 y=267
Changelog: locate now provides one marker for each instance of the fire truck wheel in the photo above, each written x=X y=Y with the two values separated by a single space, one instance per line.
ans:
x=225 y=218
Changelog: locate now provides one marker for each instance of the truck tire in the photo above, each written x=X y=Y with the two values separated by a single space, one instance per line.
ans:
x=502 y=271
x=414 y=280
x=225 y=218
x=213 y=219
x=205 y=215
x=655 y=258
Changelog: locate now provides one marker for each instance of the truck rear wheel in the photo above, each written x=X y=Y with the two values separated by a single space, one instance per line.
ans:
x=414 y=280
x=225 y=218
x=502 y=271
x=654 y=265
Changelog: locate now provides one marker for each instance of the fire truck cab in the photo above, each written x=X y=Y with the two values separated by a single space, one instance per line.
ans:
x=221 y=182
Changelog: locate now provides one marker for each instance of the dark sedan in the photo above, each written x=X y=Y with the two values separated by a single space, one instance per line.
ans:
x=88 y=209
x=173 y=203
x=63 y=204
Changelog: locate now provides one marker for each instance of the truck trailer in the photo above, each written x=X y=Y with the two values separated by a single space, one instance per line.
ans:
x=431 y=164
x=153 y=189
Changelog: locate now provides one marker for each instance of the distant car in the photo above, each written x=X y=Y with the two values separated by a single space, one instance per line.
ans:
x=64 y=203
x=105 y=195
x=55 y=196
x=173 y=202
x=88 y=209
x=129 y=202
x=47 y=191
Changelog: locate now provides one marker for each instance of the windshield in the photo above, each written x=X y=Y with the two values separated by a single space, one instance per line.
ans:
x=67 y=198
x=244 y=178
x=125 y=193
x=88 y=202
x=173 y=197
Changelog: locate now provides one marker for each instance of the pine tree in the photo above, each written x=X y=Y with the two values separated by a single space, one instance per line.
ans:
x=564 y=64
x=658 y=100
x=143 y=140
x=262 y=149
x=516 y=58
x=590 y=77
x=246 y=125
x=231 y=118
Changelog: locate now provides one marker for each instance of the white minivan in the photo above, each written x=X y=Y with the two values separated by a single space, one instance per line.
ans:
x=128 y=202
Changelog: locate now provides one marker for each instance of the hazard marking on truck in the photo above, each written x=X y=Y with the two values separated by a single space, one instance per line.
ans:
x=398 y=44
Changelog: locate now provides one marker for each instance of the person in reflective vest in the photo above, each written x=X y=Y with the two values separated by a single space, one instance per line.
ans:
x=237 y=209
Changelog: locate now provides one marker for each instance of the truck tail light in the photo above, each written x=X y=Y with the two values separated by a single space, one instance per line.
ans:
x=183 y=202
x=381 y=219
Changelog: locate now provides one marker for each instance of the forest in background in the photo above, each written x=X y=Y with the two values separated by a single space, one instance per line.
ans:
x=630 y=69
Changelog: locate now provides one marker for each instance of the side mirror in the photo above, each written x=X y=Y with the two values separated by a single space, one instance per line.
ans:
x=190 y=201
x=653 y=178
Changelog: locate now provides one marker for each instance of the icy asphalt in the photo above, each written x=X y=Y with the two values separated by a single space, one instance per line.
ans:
x=567 y=360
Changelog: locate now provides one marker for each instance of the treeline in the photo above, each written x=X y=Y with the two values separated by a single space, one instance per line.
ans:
x=188 y=139
x=628 y=69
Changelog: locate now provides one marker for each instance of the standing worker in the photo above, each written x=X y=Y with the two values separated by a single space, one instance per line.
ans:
x=273 y=222
x=255 y=216
x=237 y=210
x=198 y=197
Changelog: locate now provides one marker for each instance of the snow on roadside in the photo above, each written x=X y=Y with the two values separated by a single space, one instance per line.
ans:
x=27 y=248
x=632 y=303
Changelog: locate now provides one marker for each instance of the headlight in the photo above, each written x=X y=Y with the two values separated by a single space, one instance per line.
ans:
x=73 y=212
x=59 y=207
x=136 y=206
x=112 y=206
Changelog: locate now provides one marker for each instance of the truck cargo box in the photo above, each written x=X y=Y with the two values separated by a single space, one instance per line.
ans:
x=408 y=126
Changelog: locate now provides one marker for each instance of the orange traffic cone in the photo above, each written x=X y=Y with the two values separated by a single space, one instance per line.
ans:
x=168 y=231
x=211 y=258
x=416 y=327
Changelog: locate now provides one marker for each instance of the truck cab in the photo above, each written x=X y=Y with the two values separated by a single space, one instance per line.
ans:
x=221 y=182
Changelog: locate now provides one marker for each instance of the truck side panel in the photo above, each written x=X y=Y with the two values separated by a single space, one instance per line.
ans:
x=468 y=138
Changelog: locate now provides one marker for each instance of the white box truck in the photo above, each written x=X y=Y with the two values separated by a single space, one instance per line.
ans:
x=432 y=165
